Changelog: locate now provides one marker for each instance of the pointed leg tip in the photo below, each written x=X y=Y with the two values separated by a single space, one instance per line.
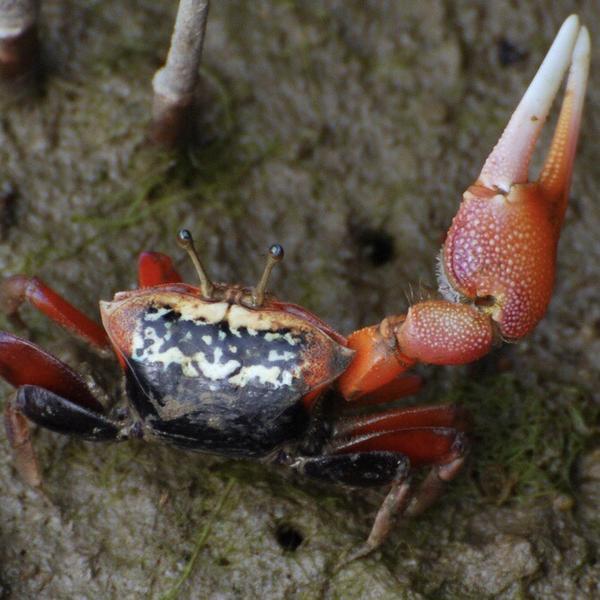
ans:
x=352 y=555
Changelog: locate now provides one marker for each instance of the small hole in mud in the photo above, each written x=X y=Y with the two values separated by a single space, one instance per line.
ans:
x=288 y=537
x=375 y=245
x=509 y=53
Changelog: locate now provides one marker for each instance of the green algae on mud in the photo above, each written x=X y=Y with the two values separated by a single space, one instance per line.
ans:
x=525 y=445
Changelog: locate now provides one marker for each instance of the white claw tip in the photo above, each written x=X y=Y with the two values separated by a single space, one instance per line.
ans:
x=509 y=161
x=583 y=46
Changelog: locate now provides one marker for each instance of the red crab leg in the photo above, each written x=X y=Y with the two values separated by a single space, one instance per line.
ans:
x=23 y=363
x=155 y=268
x=403 y=500
x=430 y=435
x=436 y=332
x=399 y=387
x=498 y=261
x=20 y=288
x=422 y=445
x=19 y=438
x=377 y=371
x=445 y=416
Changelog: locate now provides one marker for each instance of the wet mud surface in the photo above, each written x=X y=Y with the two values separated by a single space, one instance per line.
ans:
x=346 y=131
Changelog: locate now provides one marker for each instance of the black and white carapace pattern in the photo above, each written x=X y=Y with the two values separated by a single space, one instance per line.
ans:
x=222 y=377
x=216 y=351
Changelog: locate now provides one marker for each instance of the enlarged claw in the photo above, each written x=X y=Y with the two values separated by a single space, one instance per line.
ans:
x=498 y=261
x=500 y=250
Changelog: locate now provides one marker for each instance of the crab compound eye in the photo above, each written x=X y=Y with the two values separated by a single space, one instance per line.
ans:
x=184 y=237
x=276 y=252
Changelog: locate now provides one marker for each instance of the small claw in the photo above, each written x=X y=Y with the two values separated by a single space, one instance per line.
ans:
x=500 y=250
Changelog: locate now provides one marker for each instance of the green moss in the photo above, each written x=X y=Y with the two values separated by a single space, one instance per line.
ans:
x=526 y=439
x=201 y=539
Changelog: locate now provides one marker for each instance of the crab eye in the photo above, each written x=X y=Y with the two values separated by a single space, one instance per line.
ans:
x=184 y=236
x=276 y=252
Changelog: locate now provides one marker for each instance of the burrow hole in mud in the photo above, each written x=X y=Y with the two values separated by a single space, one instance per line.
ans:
x=288 y=537
x=375 y=246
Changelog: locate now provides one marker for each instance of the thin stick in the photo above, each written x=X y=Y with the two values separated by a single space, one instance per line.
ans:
x=174 y=83
x=19 y=45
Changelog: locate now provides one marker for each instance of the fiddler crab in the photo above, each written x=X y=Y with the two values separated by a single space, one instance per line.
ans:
x=233 y=371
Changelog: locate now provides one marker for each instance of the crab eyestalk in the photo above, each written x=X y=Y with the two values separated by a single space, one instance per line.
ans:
x=275 y=256
x=186 y=241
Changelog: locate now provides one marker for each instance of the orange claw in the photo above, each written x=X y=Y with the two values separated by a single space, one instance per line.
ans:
x=500 y=251
x=498 y=261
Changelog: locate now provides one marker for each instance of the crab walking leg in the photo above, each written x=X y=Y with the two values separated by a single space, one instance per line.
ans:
x=24 y=364
x=20 y=288
x=365 y=469
x=19 y=438
x=432 y=435
x=403 y=501
x=395 y=503
x=155 y=268
x=446 y=416
x=424 y=445
x=434 y=485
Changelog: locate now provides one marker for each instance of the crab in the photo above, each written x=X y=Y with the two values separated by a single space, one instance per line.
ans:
x=233 y=371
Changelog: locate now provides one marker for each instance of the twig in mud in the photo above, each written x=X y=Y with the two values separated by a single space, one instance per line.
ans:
x=19 y=46
x=174 y=84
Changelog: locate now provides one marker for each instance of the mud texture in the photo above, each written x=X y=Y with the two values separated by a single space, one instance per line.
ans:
x=347 y=131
